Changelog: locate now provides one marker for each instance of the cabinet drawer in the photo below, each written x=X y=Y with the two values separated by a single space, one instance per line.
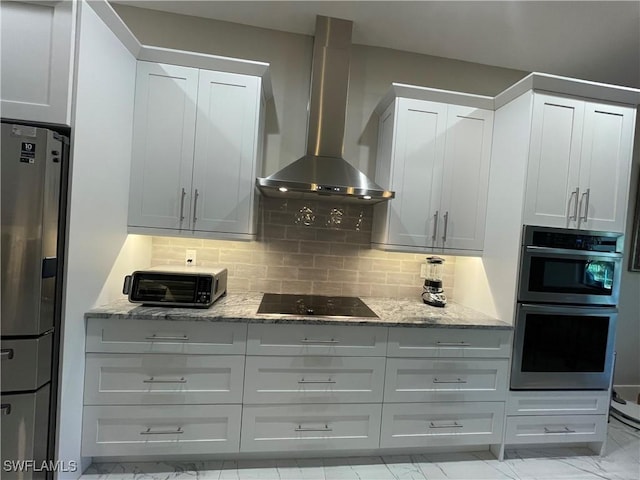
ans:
x=310 y=427
x=557 y=403
x=441 y=424
x=165 y=336
x=448 y=342
x=316 y=340
x=147 y=379
x=555 y=429
x=160 y=429
x=451 y=380
x=314 y=379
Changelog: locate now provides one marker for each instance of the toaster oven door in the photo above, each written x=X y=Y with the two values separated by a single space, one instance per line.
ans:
x=164 y=288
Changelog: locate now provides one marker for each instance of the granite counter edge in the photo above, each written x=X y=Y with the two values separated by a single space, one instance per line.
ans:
x=425 y=322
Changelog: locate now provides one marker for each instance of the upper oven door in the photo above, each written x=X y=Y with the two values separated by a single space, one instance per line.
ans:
x=580 y=277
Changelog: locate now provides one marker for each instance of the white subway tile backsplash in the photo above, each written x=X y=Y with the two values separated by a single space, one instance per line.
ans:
x=329 y=257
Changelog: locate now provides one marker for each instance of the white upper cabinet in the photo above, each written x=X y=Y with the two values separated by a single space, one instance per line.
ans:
x=197 y=147
x=226 y=146
x=466 y=177
x=37 y=60
x=436 y=157
x=163 y=133
x=579 y=164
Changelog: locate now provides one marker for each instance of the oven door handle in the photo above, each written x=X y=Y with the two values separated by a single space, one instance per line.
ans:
x=567 y=253
x=570 y=310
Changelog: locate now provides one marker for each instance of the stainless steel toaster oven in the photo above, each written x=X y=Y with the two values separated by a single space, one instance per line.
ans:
x=170 y=286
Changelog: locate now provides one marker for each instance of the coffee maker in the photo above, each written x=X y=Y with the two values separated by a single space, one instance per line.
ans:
x=432 y=291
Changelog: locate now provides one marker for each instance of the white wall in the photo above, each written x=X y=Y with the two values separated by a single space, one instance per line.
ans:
x=97 y=242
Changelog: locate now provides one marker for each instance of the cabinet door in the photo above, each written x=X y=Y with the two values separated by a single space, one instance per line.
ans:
x=226 y=147
x=37 y=60
x=607 y=146
x=163 y=133
x=552 y=195
x=466 y=178
x=417 y=172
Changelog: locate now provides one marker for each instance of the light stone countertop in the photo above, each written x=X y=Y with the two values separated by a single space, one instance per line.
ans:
x=242 y=307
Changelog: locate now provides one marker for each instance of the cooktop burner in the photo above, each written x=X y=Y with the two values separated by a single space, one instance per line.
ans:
x=316 y=305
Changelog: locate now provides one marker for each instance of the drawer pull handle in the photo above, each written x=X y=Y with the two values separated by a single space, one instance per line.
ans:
x=310 y=340
x=328 y=380
x=457 y=380
x=6 y=353
x=148 y=431
x=6 y=409
x=562 y=430
x=445 y=425
x=183 y=338
x=453 y=344
x=168 y=380
x=326 y=428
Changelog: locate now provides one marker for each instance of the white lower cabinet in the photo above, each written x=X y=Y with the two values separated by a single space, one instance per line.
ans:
x=158 y=387
x=304 y=339
x=557 y=417
x=441 y=424
x=134 y=379
x=313 y=380
x=555 y=429
x=558 y=403
x=451 y=380
x=160 y=429
x=295 y=428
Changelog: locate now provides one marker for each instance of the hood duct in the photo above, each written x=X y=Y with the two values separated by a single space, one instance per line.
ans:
x=323 y=171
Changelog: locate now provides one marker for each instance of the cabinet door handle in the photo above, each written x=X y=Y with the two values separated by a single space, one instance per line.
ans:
x=302 y=380
x=182 y=205
x=586 y=206
x=6 y=353
x=6 y=409
x=183 y=338
x=435 y=226
x=453 y=344
x=195 y=208
x=457 y=380
x=148 y=431
x=311 y=340
x=576 y=192
x=446 y=224
x=168 y=380
x=326 y=428
x=562 y=430
x=445 y=425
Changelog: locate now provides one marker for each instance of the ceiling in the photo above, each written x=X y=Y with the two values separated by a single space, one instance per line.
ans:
x=592 y=40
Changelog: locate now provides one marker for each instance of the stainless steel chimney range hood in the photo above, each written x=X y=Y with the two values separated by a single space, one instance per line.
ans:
x=322 y=172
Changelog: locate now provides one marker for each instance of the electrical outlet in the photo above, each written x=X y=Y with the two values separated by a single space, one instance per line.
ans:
x=423 y=270
x=190 y=258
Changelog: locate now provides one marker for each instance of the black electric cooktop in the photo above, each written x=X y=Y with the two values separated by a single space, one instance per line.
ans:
x=314 y=305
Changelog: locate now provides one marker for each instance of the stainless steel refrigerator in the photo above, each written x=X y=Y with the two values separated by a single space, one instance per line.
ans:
x=33 y=176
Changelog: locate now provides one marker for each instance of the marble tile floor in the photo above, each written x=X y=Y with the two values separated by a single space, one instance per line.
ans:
x=621 y=462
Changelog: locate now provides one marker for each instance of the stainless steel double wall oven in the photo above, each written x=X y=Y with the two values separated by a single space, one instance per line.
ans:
x=566 y=310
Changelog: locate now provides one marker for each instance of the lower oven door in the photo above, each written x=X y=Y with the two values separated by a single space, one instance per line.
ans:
x=563 y=347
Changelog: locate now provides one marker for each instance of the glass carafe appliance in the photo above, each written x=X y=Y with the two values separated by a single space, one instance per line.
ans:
x=432 y=291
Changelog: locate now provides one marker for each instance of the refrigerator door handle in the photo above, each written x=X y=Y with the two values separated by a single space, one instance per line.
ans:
x=49 y=267
x=6 y=353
